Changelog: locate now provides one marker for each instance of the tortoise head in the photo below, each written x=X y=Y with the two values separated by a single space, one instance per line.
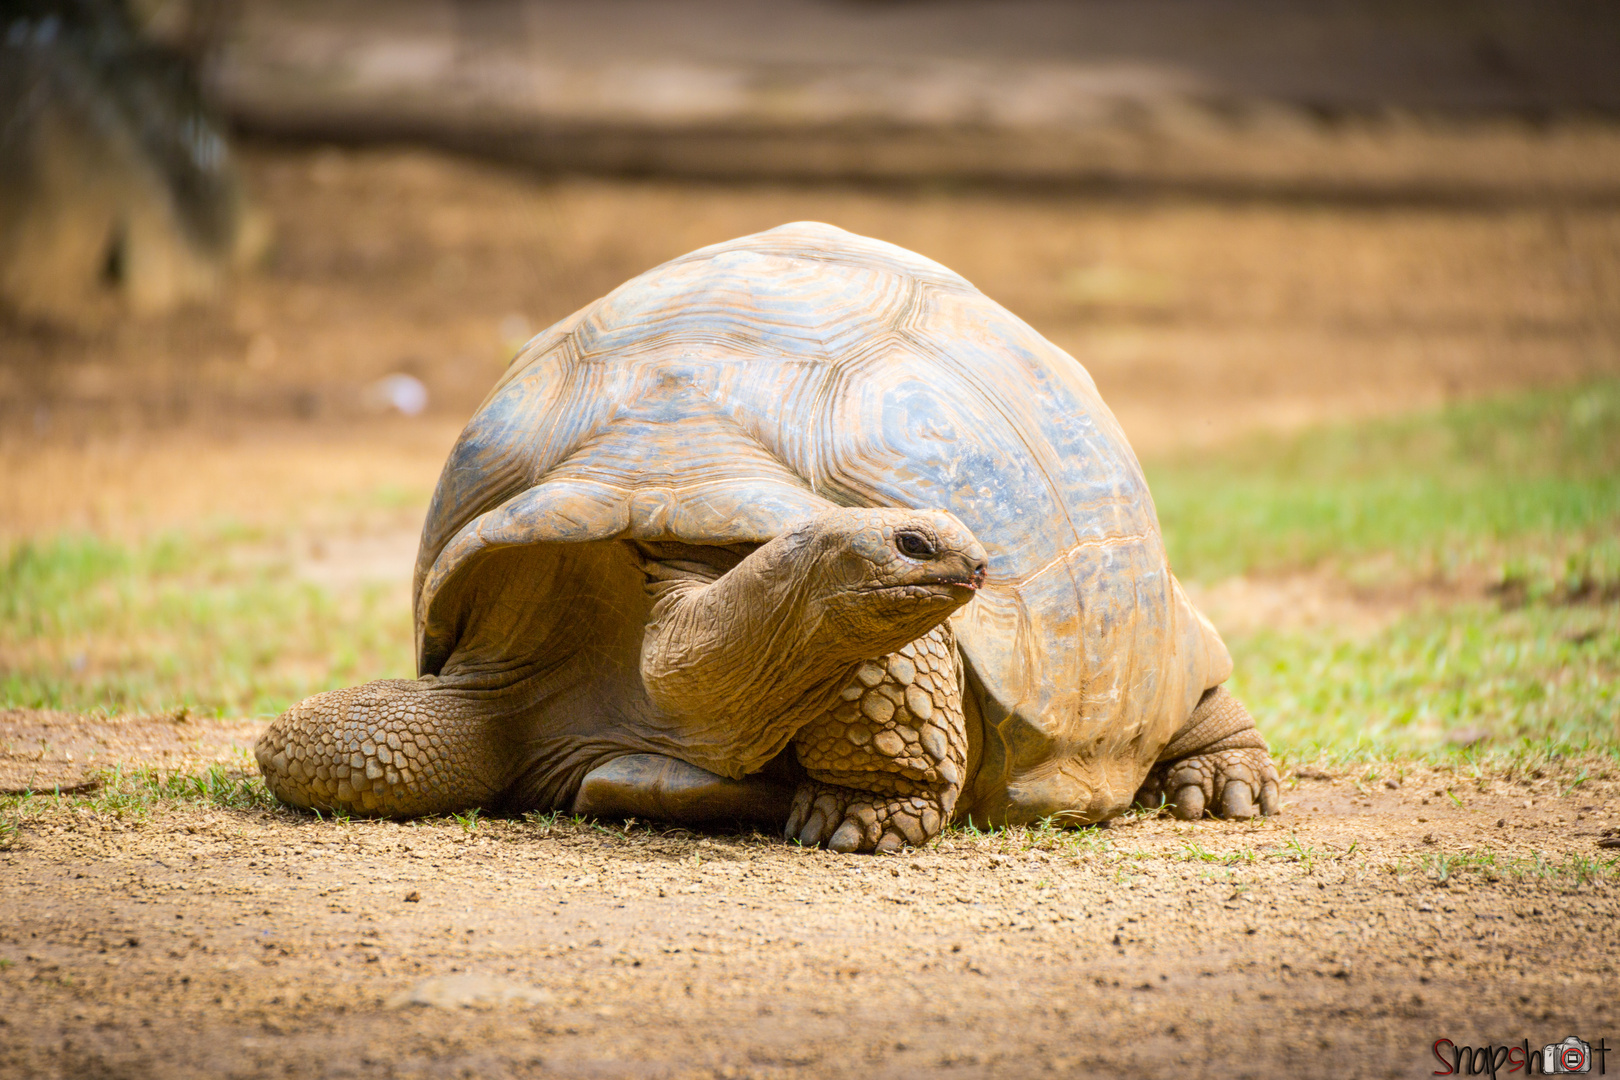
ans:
x=885 y=576
x=837 y=588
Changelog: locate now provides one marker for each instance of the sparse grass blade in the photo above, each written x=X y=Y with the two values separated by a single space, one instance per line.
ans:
x=135 y=791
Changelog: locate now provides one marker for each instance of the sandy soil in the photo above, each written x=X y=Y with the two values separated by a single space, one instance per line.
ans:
x=204 y=941
x=207 y=942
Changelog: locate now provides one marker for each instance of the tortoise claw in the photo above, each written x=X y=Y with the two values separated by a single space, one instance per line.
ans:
x=1189 y=803
x=796 y=816
x=1236 y=802
x=848 y=820
x=810 y=835
x=1268 y=798
x=847 y=838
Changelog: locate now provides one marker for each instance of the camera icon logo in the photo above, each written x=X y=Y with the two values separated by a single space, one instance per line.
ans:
x=1570 y=1056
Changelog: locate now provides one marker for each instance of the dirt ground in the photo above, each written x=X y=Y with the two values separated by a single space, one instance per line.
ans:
x=212 y=942
x=198 y=940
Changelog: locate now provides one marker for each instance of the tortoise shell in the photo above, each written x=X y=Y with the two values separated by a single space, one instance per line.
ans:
x=725 y=395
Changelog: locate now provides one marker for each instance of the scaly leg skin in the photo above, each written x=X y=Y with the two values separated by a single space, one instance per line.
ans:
x=1217 y=762
x=886 y=764
x=391 y=748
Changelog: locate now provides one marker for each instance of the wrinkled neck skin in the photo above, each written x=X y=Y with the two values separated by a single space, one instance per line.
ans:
x=777 y=634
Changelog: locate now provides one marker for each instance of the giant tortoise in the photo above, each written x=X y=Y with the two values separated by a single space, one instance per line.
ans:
x=801 y=528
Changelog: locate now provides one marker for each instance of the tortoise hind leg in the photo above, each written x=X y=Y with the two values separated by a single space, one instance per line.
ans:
x=1217 y=762
x=391 y=748
x=886 y=764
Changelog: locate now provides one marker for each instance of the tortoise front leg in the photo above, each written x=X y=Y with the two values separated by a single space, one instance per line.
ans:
x=886 y=764
x=1217 y=762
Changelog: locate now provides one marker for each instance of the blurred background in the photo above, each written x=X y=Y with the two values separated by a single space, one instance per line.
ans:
x=1348 y=272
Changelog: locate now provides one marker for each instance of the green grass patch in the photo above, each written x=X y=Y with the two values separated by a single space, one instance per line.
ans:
x=1526 y=485
x=217 y=624
x=1517 y=498
x=1449 y=681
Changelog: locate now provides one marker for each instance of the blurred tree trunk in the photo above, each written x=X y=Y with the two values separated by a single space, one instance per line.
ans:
x=117 y=188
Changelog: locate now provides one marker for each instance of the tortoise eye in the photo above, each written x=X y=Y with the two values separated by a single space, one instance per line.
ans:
x=917 y=545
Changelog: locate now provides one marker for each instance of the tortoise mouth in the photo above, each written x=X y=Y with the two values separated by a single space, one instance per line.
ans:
x=960 y=590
